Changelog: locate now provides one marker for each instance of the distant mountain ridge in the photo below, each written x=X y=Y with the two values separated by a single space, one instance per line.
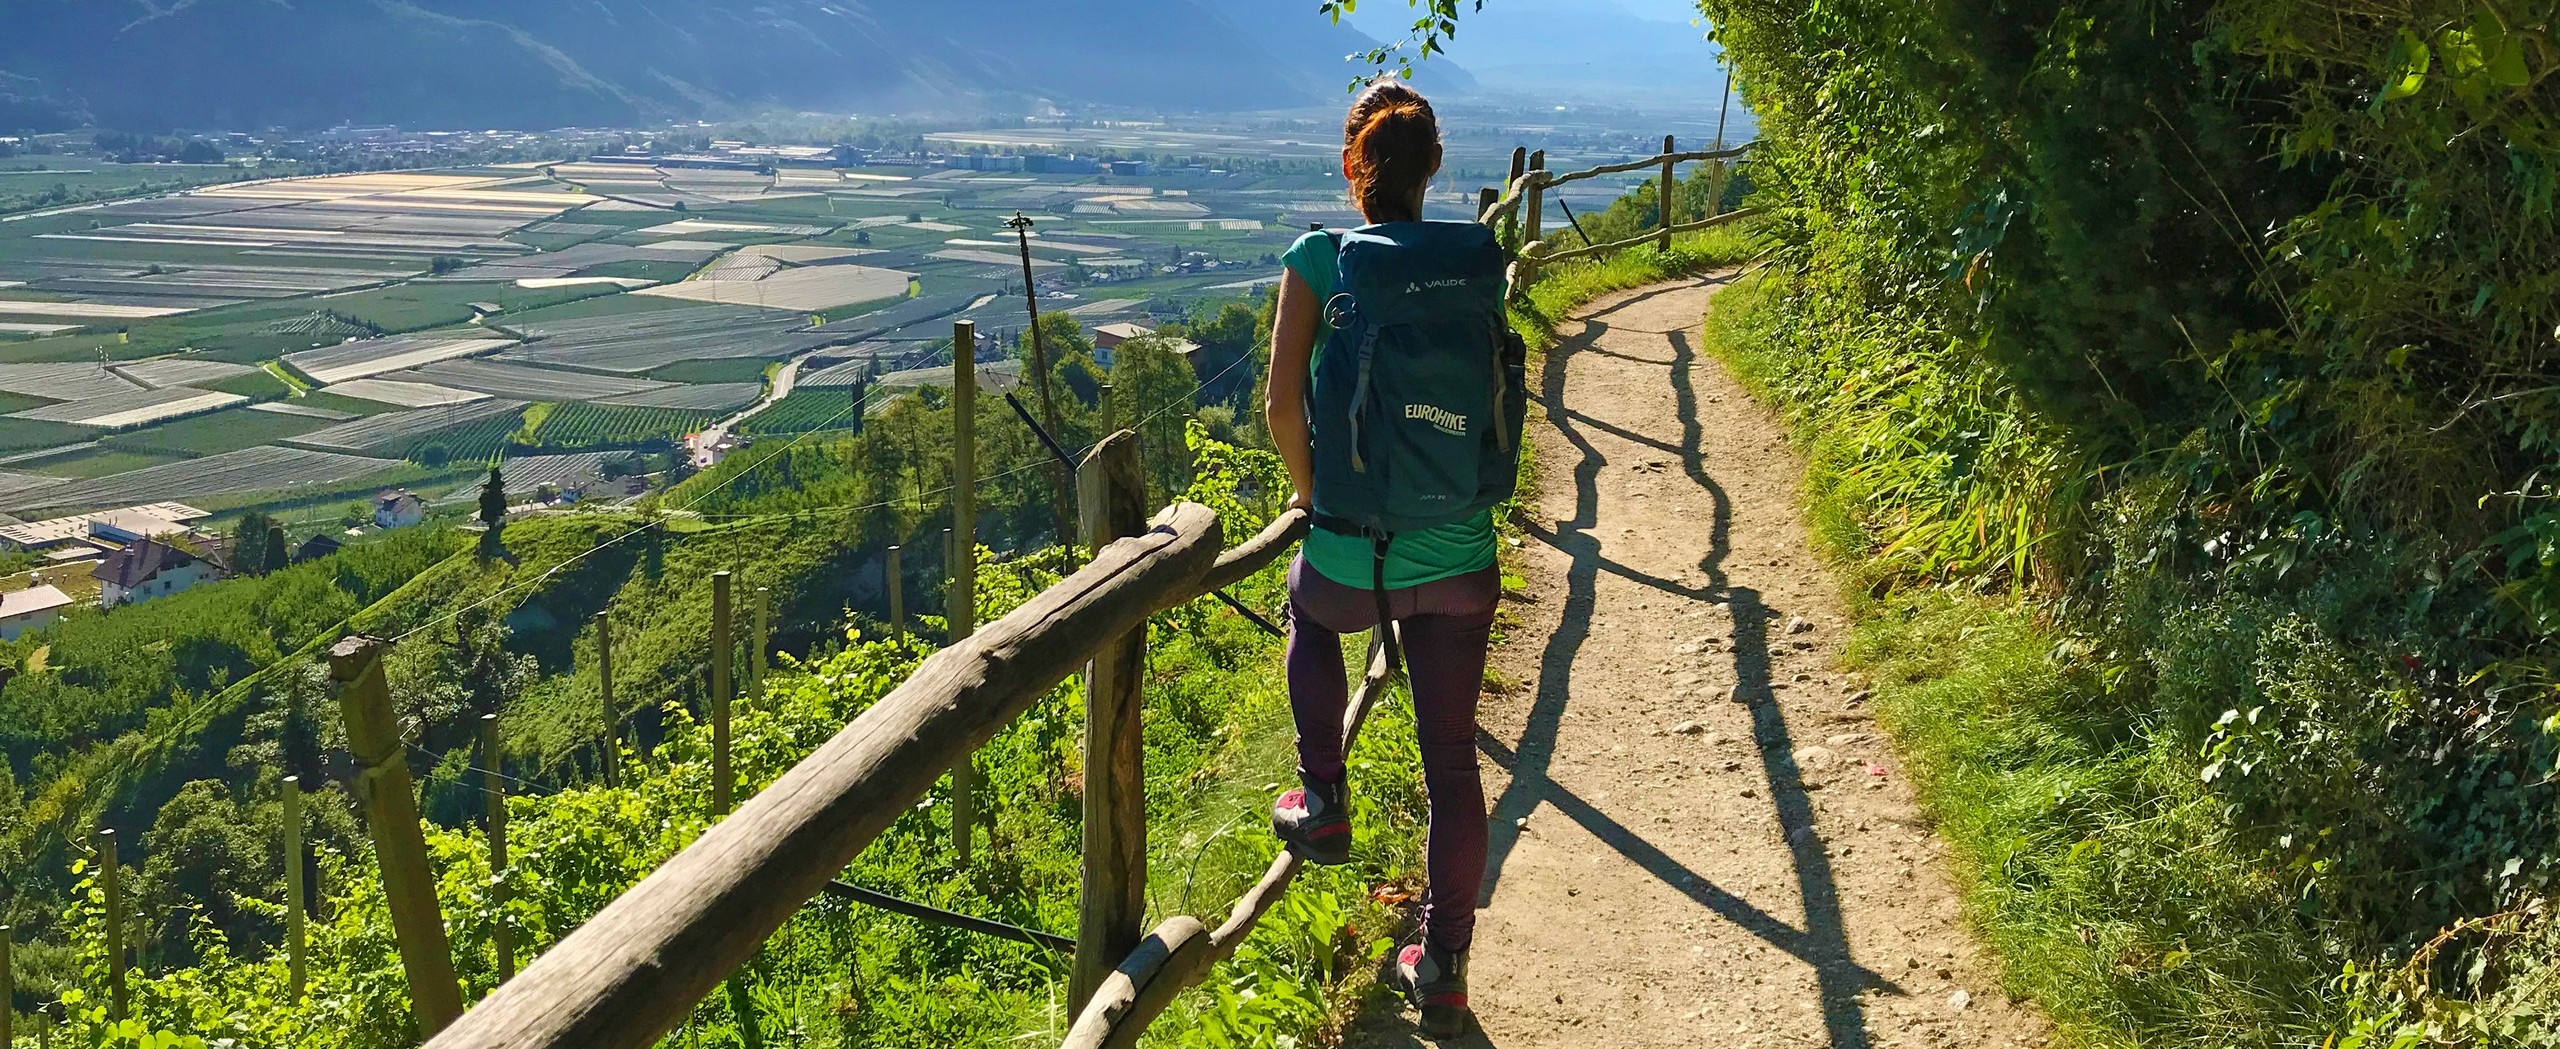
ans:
x=154 y=65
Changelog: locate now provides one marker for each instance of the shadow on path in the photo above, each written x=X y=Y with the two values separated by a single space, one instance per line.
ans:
x=1823 y=942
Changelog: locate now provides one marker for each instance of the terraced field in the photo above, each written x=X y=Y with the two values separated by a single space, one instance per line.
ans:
x=579 y=426
x=709 y=397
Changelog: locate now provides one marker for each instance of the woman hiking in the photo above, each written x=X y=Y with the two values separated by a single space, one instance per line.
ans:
x=1394 y=400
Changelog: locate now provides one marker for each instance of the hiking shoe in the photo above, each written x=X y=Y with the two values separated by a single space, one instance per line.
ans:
x=1435 y=981
x=1314 y=821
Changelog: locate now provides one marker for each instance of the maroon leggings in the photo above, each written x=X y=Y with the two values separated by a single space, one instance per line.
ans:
x=1446 y=625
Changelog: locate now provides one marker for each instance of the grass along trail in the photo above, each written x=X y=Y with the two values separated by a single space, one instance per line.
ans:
x=1700 y=836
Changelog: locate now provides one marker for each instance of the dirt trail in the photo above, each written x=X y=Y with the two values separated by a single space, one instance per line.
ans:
x=1699 y=836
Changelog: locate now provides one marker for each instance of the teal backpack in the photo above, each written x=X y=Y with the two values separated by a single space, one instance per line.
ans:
x=1420 y=395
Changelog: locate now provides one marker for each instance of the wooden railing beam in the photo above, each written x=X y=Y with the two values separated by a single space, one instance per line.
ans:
x=636 y=969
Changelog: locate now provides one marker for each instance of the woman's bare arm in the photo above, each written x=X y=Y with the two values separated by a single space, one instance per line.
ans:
x=1284 y=405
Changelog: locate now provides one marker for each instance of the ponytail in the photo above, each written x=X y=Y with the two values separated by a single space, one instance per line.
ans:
x=1391 y=148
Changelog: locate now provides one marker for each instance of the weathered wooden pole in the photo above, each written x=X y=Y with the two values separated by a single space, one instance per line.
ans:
x=722 y=690
x=496 y=787
x=1534 y=225
x=1112 y=490
x=295 y=936
x=1484 y=203
x=962 y=594
x=110 y=879
x=391 y=813
x=8 y=989
x=1109 y=410
x=757 y=667
x=896 y=577
x=1670 y=192
x=612 y=742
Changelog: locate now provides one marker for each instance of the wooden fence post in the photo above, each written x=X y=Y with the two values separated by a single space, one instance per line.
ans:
x=604 y=688
x=391 y=813
x=1519 y=167
x=722 y=688
x=757 y=667
x=1485 y=202
x=1110 y=416
x=962 y=594
x=1112 y=490
x=897 y=579
x=110 y=878
x=1668 y=194
x=495 y=784
x=1535 y=224
x=294 y=916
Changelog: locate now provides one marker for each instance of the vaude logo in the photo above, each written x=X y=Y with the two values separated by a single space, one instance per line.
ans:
x=1435 y=285
x=1448 y=421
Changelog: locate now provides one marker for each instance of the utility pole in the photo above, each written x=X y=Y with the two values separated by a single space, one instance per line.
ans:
x=1020 y=224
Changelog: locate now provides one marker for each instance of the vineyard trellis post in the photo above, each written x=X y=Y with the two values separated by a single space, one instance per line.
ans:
x=294 y=932
x=1112 y=492
x=611 y=744
x=391 y=812
x=1667 y=193
x=109 y=879
x=502 y=934
x=756 y=665
x=1110 y=418
x=722 y=684
x=961 y=598
x=896 y=578
x=1519 y=167
x=8 y=987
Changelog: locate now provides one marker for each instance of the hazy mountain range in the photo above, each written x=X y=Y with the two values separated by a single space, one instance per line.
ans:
x=152 y=65
x=1650 y=49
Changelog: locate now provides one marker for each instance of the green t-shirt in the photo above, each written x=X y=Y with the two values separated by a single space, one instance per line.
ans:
x=1414 y=558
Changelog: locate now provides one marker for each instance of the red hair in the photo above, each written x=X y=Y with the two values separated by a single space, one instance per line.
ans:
x=1390 y=149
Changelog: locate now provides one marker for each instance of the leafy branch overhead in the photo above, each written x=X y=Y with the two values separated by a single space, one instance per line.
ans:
x=1438 y=23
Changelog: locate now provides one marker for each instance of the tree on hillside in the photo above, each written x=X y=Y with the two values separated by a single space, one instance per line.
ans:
x=493 y=513
x=275 y=555
x=1227 y=338
x=248 y=545
x=1152 y=386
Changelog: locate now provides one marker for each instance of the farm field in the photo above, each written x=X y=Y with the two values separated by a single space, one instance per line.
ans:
x=228 y=430
x=399 y=431
x=267 y=468
x=445 y=316
x=139 y=407
x=578 y=426
x=712 y=397
x=367 y=358
x=802 y=289
x=527 y=383
x=808 y=411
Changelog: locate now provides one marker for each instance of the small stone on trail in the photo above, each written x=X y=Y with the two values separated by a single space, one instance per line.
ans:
x=1847 y=738
x=1737 y=695
x=1959 y=1000
x=1689 y=728
x=1860 y=696
x=1799 y=625
x=1816 y=759
x=1521 y=823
